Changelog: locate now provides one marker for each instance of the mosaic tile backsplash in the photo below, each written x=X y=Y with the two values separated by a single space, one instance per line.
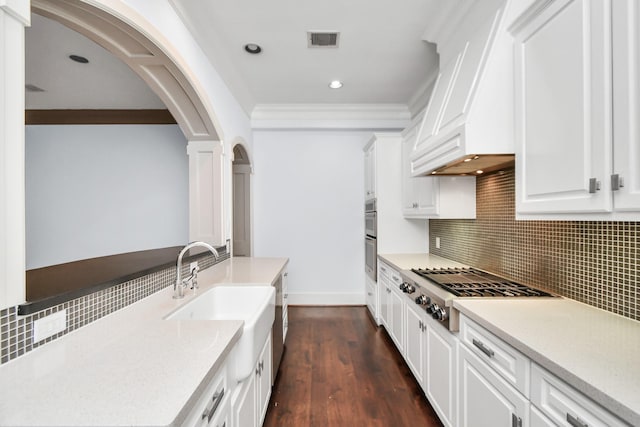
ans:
x=595 y=262
x=16 y=332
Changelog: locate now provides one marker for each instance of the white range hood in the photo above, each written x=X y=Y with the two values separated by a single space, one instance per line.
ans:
x=468 y=125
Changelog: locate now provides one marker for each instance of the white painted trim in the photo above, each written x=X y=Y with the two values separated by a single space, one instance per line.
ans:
x=207 y=219
x=12 y=185
x=308 y=298
x=20 y=10
x=330 y=116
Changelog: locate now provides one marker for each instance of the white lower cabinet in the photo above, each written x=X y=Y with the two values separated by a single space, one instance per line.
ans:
x=486 y=399
x=414 y=354
x=251 y=397
x=391 y=304
x=538 y=419
x=396 y=329
x=372 y=297
x=212 y=408
x=441 y=371
x=564 y=405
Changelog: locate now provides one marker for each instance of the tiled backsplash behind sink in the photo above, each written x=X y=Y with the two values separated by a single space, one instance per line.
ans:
x=595 y=262
x=16 y=332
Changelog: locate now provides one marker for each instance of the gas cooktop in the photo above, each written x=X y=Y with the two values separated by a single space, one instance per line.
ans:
x=471 y=282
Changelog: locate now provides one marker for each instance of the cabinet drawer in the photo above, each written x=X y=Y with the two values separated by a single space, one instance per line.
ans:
x=566 y=406
x=213 y=404
x=383 y=269
x=509 y=363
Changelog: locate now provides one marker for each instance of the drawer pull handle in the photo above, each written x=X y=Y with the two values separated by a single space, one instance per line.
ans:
x=575 y=421
x=483 y=348
x=516 y=421
x=208 y=413
x=395 y=278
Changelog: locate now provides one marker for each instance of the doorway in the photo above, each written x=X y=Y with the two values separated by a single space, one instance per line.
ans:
x=241 y=184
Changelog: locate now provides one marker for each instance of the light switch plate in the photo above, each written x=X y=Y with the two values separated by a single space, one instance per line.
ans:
x=437 y=243
x=49 y=326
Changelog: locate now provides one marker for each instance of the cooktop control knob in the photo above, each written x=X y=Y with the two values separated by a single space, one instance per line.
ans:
x=409 y=289
x=440 y=314
x=432 y=308
x=423 y=300
x=403 y=286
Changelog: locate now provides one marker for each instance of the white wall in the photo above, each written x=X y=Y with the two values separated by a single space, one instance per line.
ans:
x=101 y=190
x=308 y=205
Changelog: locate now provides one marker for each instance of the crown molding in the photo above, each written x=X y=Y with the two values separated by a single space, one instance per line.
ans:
x=330 y=116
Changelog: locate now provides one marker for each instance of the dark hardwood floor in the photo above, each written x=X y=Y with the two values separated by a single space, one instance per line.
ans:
x=339 y=369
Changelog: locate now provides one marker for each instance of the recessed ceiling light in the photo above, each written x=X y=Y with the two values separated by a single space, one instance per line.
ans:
x=78 y=58
x=335 y=84
x=252 y=48
x=479 y=172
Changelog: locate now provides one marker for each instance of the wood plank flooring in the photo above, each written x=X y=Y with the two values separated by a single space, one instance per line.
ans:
x=339 y=369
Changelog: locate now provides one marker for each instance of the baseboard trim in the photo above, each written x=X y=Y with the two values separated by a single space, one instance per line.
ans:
x=327 y=298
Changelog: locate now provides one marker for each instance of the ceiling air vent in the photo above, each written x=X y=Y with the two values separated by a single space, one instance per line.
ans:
x=322 y=39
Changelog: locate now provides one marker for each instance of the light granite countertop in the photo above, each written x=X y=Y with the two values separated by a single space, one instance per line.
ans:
x=419 y=260
x=131 y=367
x=593 y=350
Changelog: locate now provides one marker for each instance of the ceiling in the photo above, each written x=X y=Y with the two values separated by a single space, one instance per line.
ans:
x=381 y=57
x=103 y=83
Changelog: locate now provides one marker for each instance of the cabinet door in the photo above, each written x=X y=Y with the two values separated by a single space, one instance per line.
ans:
x=397 y=320
x=263 y=385
x=383 y=295
x=419 y=194
x=371 y=298
x=245 y=408
x=370 y=173
x=563 y=107
x=486 y=400
x=414 y=344
x=626 y=100
x=440 y=372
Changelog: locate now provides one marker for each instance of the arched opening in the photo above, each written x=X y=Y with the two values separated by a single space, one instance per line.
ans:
x=241 y=185
x=165 y=75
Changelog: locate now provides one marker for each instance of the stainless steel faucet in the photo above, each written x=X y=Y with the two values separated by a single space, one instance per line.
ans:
x=178 y=287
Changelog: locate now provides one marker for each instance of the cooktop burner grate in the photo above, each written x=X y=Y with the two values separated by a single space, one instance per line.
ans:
x=471 y=282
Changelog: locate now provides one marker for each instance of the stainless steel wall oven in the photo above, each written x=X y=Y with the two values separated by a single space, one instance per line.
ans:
x=370 y=239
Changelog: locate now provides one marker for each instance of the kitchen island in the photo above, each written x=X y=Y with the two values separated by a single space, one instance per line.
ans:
x=131 y=367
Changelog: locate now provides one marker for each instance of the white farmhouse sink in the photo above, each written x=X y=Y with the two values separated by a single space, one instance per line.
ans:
x=255 y=305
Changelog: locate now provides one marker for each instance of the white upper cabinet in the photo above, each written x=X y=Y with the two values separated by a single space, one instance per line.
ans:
x=576 y=74
x=370 y=172
x=563 y=104
x=626 y=103
x=434 y=197
x=470 y=110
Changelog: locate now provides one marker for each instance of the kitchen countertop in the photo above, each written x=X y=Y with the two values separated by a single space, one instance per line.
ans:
x=593 y=350
x=131 y=367
x=420 y=260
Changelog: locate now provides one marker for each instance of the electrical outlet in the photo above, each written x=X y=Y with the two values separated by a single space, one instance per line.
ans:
x=437 y=243
x=49 y=326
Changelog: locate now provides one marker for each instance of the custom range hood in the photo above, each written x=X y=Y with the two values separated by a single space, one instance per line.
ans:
x=468 y=125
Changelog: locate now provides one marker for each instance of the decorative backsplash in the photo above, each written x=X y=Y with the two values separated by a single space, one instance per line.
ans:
x=595 y=262
x=16 y=332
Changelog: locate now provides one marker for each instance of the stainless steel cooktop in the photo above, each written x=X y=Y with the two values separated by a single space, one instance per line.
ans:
x=471 y=282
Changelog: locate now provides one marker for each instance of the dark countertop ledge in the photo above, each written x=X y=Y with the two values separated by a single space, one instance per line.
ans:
x=57 y=284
